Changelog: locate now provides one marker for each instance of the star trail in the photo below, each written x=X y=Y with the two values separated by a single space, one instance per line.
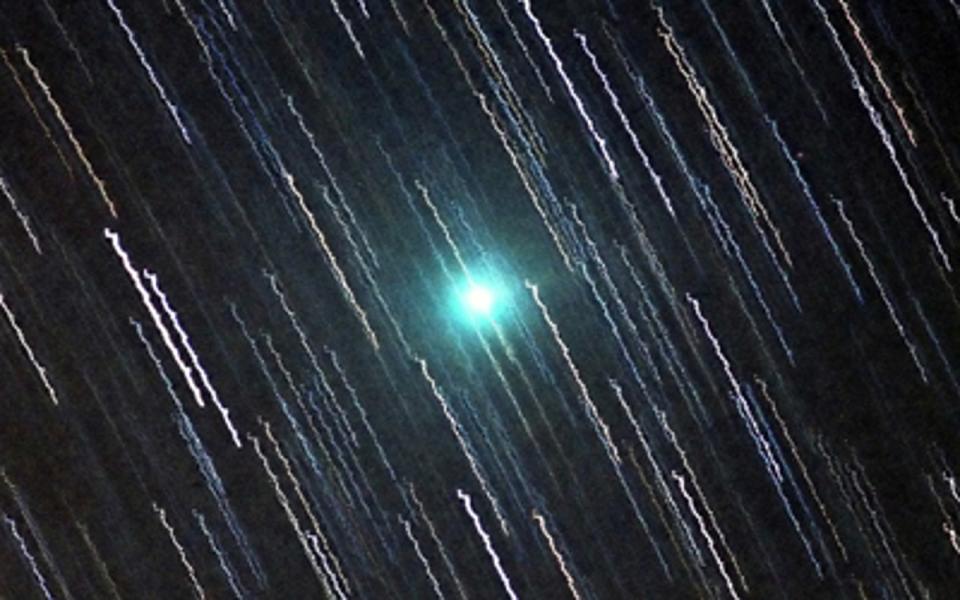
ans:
x=456 y=299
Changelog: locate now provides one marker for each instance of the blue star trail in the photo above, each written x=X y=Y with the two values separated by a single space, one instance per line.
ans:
x=468 y=299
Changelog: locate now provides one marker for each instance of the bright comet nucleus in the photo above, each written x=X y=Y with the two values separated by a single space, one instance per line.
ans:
x=479 y=300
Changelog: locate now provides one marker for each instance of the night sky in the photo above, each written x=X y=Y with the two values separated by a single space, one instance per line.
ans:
x=403 y=299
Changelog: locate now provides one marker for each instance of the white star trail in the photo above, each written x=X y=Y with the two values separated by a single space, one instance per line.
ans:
x=487 y=544
x=100 y=184
x=24 y=219
x=151 y=74
x=28 y=350
x=181 y=552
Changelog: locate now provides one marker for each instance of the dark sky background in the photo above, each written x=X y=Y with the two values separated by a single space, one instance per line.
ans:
x=237 y=241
